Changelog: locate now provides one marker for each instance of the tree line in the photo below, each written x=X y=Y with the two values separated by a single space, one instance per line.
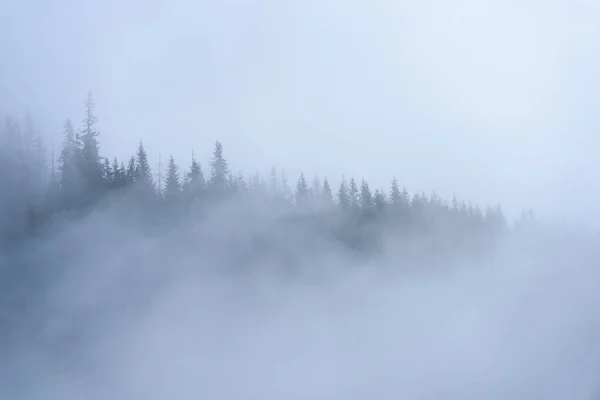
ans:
x=37 y=185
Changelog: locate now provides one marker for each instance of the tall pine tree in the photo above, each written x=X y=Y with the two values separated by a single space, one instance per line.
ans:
x=219 y=178
x=143 y=173
x=172 y=184
x=302 y=191
x=91 y=166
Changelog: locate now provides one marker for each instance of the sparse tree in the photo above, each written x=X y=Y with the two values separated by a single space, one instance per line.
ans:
x=302 y=191
x=143 y=173
x=366 y=198
x=220 y=172
x=326 y=194
x=195 y=184
x=343 y=197
x=353 y=194
x=172 y=184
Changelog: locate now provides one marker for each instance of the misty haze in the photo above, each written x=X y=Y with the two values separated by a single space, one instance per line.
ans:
x=274 y=200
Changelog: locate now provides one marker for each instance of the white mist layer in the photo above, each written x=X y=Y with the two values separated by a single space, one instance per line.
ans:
x=140 y=318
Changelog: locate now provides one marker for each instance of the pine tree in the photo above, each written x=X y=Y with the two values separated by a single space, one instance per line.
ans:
x=131 y=172
x=220 y=172
x=435 y=200
x=495 y=219
x=326 y=194
x=302 y=191
x=172 y=184
x=118 y=173
x=353 y=194
x=399 y=203
x=159 y=177
x=195 y=184
x=53 y=185
x=316 y=188
x=274 y=186
x=143 y=172
x=366 y=198
x=455 y=206
x=69 y=167
x=405 y=197
x=240 y=184
x=257 y=185
x=343 y=197
x=416 y=204
x=286 y=190
x=395 y=195
x=463 y=209
x=91 y=166
x=107 y=174
x=380 y=201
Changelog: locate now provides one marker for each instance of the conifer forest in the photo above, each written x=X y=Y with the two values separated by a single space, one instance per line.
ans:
x=41 y=185
x=299 y=200
x=196 y=280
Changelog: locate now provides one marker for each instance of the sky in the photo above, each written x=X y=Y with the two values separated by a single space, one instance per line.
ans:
x=495 y=100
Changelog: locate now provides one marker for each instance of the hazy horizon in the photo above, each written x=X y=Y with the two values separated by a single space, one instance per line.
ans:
x=219 y=287
x=493 y=100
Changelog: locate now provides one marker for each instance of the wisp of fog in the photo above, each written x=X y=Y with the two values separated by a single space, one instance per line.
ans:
x=249 y=304
x=150 y=251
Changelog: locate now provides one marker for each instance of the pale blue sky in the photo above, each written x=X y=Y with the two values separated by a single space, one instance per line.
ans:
x=496 y=100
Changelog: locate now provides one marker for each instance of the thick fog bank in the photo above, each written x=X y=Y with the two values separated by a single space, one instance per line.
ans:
x=103 y=309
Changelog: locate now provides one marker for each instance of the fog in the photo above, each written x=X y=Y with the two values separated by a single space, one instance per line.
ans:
x=125 y=281
x=212 y=310
x=379 y=85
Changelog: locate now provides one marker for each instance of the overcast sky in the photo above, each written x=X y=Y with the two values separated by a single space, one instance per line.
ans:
x=497 y=100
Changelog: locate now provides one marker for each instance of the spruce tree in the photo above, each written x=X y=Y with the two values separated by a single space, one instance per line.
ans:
x=172 y=184
x=302 y=191
x=131 y=172
x=405 y=198
x=286 y=190
x=353 y=194
x=91 y=166
x=107 y=173
x=399 y=203
x=219 y=173
x=316 y=188
x=326 y=193
x=380 y=201
x=195 y=183
x=240 y=184
x=257 y=185
x=416 y=204
x=274 y=185
x=366 y=198
x=455 y=205
x=70 y=178
x=395 y=194
x=118 y=174
x=343 y=198
x=143 y=172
